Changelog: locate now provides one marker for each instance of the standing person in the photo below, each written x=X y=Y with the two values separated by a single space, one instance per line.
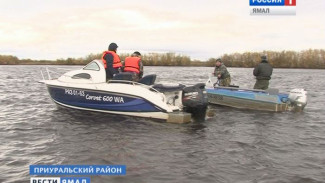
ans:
x=112 y=61
x=134 y=65
x=262 y=72
x=222 y=73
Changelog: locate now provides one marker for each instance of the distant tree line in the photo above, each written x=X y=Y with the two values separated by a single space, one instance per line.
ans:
x=311 y=59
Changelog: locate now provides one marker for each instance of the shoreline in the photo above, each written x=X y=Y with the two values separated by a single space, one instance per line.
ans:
x=305 y=59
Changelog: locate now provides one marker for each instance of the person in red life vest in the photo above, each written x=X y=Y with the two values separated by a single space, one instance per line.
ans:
x=112 y=61
x=134 y=65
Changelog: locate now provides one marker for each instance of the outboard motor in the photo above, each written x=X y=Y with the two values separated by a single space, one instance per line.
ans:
x=195 y=101
x=298 y=98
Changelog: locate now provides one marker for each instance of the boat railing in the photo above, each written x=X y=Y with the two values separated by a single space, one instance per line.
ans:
x=134 y=83
x=241 y=89
x=49 y=76
x=48 y=73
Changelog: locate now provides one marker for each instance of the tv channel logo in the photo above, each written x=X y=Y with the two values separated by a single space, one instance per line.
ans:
x=272 y=7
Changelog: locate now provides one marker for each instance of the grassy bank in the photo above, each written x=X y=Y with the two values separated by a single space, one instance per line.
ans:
x=309 y=59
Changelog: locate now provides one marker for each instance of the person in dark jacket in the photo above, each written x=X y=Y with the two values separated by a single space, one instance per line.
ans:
x=262 y=72
x=111 y=61
x=222 y=73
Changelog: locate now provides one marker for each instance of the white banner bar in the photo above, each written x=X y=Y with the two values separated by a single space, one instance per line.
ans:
x=272 y=10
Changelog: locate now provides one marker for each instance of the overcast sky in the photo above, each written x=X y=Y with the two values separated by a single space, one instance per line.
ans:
x=40 y=29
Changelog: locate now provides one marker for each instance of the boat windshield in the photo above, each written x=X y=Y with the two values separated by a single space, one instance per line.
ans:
x=92 y=66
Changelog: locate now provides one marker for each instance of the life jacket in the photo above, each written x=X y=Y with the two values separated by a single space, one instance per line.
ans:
x=131 y=64
x=116 y=59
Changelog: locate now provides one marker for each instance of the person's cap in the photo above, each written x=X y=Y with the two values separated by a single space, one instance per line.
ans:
x=218 y=60
x=112 y=47
x=264 y=57
x=137 y=53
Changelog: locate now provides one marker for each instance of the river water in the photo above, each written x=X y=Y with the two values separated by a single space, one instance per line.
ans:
x=230 y=146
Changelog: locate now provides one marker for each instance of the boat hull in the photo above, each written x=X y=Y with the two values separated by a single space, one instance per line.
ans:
x=104 y=101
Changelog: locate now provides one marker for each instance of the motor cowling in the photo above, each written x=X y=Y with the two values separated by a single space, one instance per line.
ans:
x=195 y=101
x=298 y=97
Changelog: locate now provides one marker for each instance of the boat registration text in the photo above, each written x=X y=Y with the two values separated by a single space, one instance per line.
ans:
x=104 y=98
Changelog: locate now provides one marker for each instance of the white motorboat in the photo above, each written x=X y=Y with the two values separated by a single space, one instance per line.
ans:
x=87 y=89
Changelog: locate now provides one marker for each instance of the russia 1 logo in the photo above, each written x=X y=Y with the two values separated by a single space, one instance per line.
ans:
x=290 y=3
x=272 y=7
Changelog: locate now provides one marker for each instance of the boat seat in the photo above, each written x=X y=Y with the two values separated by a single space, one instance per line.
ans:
x=164 y=88
x=126 y=76
x=272 y=91
x=148 y=79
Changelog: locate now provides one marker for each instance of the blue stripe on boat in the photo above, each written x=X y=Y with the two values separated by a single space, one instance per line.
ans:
x=101 y=100
x=249 y=95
